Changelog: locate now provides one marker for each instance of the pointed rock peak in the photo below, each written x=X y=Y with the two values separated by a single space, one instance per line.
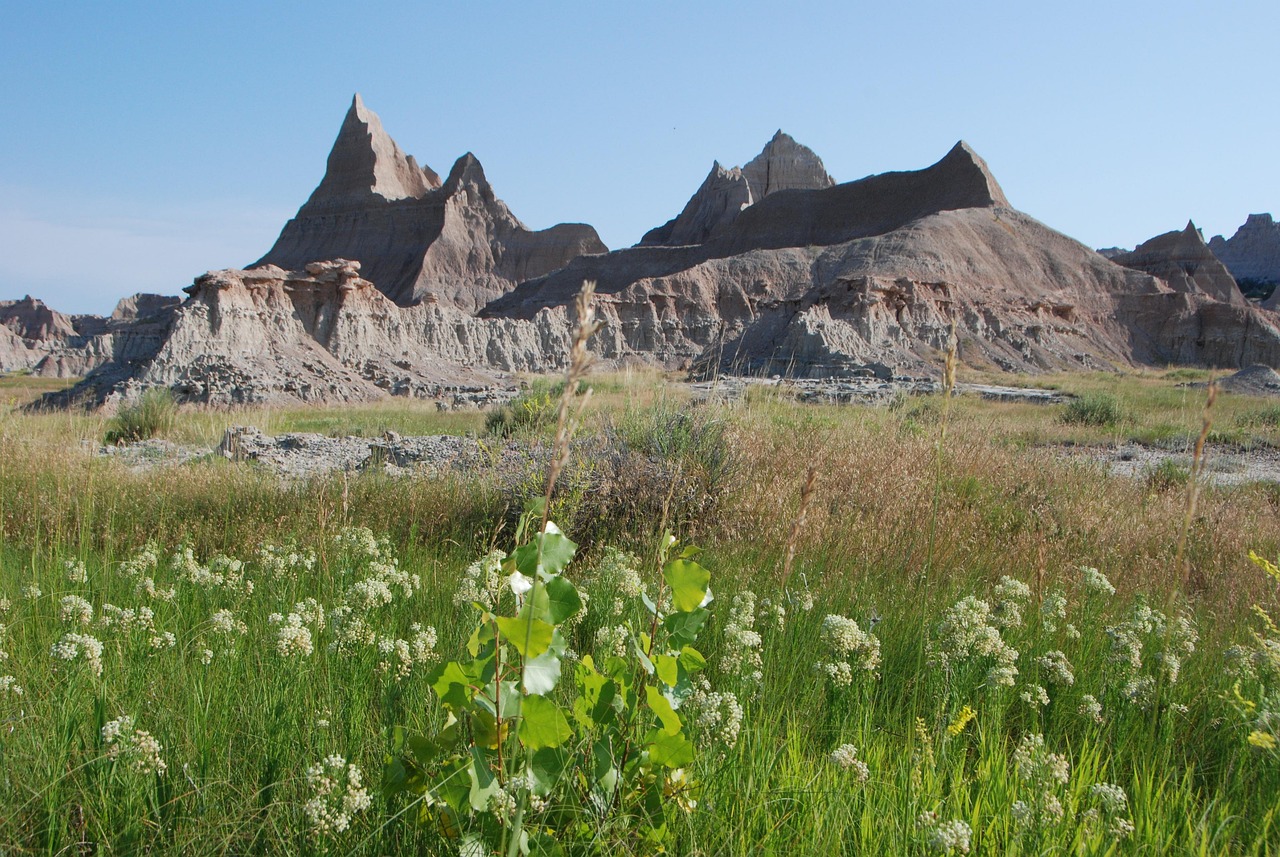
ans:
x=365 y=161
x=784 y=164
x=961 y=162
x=466 y=170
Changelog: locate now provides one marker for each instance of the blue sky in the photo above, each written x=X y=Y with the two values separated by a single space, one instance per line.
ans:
x=144 y=143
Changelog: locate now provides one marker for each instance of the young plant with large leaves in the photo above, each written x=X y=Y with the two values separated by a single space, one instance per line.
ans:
x=538 y=754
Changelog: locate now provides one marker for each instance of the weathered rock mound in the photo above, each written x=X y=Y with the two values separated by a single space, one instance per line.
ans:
x=416 y=238
x=1252 y=255
x=1186 y=263
x=324 y=334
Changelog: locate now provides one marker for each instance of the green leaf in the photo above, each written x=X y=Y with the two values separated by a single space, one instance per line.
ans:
x=692 y=660
x=563 y=599
x=452 y=684
x=594 y=705
x=452 y=786
x=688 y=582
x=682 y=628
x=530 y=636
x=541 y=674
x=483 y=783
x=662 y=708
x=668 y=669
x=543 y=724
x=669 y=750
x=547 y=767
x=482 y=635
x=557 y=551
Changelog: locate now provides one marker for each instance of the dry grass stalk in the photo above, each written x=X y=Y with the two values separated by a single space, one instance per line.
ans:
x=571 y=406
x=806 y=495
x=1193 y=484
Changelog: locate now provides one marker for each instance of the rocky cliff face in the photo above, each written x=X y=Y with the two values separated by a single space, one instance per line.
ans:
x=1252 y=255
x=1186 y=263
x=419 y=240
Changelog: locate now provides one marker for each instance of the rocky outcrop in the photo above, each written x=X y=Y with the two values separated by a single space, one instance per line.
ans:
x=43 y=341
x=322 y=334
x=869 y=276
x=419 y=240
x=1252 y=255
x=784 y=164
x=1186 y=263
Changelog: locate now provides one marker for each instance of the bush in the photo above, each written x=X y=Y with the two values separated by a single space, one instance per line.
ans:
x=528 y=413
x=154 y=413
x=1093 y=409
x=1168 y=475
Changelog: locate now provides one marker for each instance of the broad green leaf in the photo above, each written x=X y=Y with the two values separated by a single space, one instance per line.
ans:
x=668 y=669
x=563 y=599
x=543 y=724
x=594 y=705
x=530 y=636
x=541 y=674
x=485 y=728
x=690 y=552
x=547 y=767
x=453 y=785
x=692 y=660
x=682 y=628
x=659 y=705
x=452 y=684
x=672 y=751
x=557 y=551
x=483 y=783
x=688 y=582
x=479 y=637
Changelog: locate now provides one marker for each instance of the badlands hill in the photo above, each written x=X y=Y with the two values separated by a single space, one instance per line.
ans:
x=391 y=281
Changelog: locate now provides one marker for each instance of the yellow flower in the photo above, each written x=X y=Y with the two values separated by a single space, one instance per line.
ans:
x=1263 y=563
x=961 y=721
x=1262 y=740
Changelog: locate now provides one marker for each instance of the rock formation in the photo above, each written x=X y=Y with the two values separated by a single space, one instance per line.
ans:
x=323 y=334
x=43 y=341
x=416 y=238
x=1186 y=263
x=769 y=269
x=1252 y=255
x=870 y=274
x=784 y=164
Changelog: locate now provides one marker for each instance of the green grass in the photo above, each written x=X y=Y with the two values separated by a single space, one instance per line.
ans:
x=239 y=732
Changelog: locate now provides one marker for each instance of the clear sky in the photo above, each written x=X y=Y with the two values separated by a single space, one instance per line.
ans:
x=144 y=143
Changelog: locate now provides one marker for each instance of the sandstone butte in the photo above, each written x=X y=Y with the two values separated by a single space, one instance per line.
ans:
x=390 y=281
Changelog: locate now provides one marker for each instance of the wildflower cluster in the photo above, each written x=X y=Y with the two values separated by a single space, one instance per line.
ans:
x=846 y=758
x=221 y=572
x=397 y=657
x=742 y=658
x=1010 y=599
x=618 y=573
x=715 y=715
x=945 y=837
x=1256 y=669
x=136 y=747
x=1044 y=773
x=73 y=646
x=9 y=685
x=1144 y=630
x=285 y=562
x=1095 y=582
x=293 y=637
x=76 y=572
x=851 y=651
x=1111 y=810
x=969 y=634
x=74 y=610
x=338 y=795
x=482 y=582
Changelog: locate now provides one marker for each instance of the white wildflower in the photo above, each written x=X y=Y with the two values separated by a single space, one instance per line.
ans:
x=136 y=747
x=75 y=610
x=1058 y=668
x=338 y=794
x=481 y=583
x=1053 y=610
x=946 y=837
x=613 y=640
x=1034 y=694
x=31 y=592
x=76 y=572
x=1096 y=582
x=1090 y=708
x=9 y=685
x=1011 y=596
x=968 y=634
x=73 y=646
x=846 y=757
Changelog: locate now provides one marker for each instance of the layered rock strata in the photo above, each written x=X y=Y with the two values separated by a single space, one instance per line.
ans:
x=420 y=240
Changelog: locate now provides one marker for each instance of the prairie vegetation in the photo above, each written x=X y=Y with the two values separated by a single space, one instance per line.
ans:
x=911 y=647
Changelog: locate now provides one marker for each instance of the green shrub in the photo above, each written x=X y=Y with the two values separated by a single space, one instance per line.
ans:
x=154 y=413
x=1268 y=417
x=1093 y=409
x=1168 y=475
x=528 y=413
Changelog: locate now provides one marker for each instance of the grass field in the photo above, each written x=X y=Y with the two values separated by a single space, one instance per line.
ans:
x=194 y=657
